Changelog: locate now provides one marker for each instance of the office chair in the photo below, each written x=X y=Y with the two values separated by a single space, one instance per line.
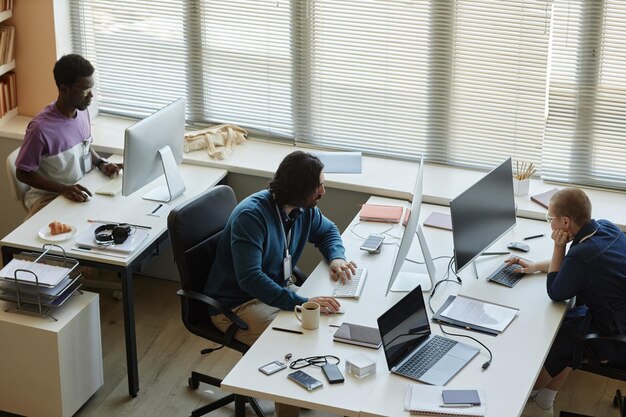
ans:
x=18 y=188
x=586 y=359
x=195 y=228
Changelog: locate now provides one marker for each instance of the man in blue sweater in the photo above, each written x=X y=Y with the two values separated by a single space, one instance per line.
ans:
x=594 y=271
x=248 y=273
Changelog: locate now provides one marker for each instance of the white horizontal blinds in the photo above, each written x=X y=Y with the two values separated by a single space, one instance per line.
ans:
x=366 y=65
x=499 y=55
x=247 y=64
x=138 y=49
x=585 y=135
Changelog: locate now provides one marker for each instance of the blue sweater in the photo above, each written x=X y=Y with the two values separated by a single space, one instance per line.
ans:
x=250 y=253
x=594 y=270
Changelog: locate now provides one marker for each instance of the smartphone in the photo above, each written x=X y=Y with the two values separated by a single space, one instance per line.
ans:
x=305 y=380
x=272 y=367
x=332 y=373
x=372 y=243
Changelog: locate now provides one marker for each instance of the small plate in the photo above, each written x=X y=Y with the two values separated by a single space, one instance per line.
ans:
x=44 y=233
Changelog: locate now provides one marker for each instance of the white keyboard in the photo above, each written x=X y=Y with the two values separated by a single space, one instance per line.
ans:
x=353 y=287
x=112 y=188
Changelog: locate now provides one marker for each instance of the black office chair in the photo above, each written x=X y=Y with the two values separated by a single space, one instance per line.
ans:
x=586 y=359
x=195 y=228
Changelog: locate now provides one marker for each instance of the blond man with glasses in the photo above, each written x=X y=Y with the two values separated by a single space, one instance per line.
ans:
x=593 y=270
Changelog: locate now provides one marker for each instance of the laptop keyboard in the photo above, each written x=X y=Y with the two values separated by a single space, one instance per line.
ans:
x=426 y=357
x=506 y=274
x=352 y=288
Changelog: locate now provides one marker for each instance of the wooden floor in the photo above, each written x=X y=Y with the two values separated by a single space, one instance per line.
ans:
x=168 y=353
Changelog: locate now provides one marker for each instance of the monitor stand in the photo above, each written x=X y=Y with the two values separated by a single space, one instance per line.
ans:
x=411 y=274
x=175 y=184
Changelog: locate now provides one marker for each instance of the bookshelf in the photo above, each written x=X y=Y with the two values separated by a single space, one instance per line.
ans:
x=8 y=88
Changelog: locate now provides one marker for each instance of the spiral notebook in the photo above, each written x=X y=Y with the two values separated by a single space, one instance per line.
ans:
x=427 y=399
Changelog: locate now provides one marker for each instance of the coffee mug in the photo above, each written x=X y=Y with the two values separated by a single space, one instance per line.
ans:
x=309 y=315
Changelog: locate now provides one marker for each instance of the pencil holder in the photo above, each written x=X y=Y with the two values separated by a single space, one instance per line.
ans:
x=520 y=187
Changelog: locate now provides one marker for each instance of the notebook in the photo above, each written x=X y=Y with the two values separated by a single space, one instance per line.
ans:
x=408 y=343
x=426 y=399
x=544 y=198
x=380 y=213
x=355 y=334
x=439 y=221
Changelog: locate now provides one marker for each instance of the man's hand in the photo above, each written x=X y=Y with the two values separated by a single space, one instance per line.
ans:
x=342 y=269
x=561 y=237
x=527 y=267
x=76 y=192
x=109 y=169
x=327 y=304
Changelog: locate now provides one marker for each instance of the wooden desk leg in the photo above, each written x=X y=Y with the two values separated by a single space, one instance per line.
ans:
x=129 y=331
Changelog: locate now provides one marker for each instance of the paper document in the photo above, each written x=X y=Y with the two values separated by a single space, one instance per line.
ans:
x=137 y=237
x=480 y=313
x=48 y=275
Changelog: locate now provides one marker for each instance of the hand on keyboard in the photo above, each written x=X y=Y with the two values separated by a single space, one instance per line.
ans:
x=527 y=267
x=340 y=269
x=112 y=188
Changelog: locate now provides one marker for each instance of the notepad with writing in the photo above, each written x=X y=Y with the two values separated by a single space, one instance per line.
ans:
x=428 y=400
x=380 y=213
x=544 y=198
x=356 y=334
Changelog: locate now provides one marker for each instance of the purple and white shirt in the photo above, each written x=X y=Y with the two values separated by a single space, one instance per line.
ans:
x=53 y=147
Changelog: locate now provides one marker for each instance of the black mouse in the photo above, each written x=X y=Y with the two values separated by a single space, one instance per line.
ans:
x=518 y=246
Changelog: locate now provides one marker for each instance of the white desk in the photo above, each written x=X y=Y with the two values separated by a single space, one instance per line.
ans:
x=51 y=368
x=131 y=209
x=519 y=352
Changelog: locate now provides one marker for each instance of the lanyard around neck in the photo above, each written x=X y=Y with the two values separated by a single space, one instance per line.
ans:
x=287 y=236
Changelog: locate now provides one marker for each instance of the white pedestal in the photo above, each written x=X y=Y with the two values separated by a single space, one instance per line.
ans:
x=50 y=368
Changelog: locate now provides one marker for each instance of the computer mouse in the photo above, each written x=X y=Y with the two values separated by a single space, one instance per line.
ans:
x=518 y=246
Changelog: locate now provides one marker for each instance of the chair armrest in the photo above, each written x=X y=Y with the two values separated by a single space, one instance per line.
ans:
x=610 y=337
x=215 y=304
x=299 y=275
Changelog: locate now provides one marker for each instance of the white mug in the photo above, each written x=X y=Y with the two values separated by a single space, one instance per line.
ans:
x=310 y=315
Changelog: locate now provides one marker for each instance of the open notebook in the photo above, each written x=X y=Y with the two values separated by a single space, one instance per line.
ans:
x=427 y=399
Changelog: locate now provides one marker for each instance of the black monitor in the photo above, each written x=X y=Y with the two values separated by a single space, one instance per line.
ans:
x=411 y=279
x=482 y=214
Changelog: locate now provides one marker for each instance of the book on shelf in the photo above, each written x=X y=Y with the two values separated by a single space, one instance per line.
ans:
x=439 y=221
x=356 y=334
x=380 y=213
x=544 y=198
x=428 y=400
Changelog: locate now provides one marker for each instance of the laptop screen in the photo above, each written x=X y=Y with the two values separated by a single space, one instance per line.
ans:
x=404 y=326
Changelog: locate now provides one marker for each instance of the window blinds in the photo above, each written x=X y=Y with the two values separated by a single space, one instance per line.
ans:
x=585 y=140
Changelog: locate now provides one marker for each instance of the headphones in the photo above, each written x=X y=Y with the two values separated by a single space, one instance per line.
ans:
x=112 y=233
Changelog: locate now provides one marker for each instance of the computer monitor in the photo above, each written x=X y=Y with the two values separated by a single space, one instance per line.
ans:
x=152 y=147
x=482 y=214
x=403 y=277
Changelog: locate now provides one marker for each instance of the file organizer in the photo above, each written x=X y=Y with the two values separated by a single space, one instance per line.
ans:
x=30 y=294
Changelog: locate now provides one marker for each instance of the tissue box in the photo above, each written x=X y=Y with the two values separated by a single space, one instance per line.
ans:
x=360 y=365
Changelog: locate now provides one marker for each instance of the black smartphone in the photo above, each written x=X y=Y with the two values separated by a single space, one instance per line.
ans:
x=332 y=373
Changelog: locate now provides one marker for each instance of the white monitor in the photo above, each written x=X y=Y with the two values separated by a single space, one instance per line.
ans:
x=405 y=276
x=153 y=147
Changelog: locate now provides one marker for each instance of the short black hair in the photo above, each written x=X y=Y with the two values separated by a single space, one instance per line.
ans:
x=296 y=179
x=70 y=68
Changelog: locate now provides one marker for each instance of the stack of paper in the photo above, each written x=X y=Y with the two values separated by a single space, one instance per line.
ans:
x=474 y=314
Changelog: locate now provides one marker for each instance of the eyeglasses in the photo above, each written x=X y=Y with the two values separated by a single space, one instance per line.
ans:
x=550 y=218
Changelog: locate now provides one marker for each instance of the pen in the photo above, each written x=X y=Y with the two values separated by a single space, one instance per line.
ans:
x=280 y=329
x=157 y=208
x=456 y=405
x=533 y=237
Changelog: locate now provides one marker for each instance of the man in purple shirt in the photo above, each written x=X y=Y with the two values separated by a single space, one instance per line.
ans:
x=57 y=152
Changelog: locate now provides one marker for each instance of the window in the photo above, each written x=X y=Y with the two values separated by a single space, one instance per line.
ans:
x=463 y=81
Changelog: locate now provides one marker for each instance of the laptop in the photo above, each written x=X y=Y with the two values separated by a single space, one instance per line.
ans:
x=410 y=348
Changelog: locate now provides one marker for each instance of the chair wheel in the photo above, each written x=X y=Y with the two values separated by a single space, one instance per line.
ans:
x=193 y=383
